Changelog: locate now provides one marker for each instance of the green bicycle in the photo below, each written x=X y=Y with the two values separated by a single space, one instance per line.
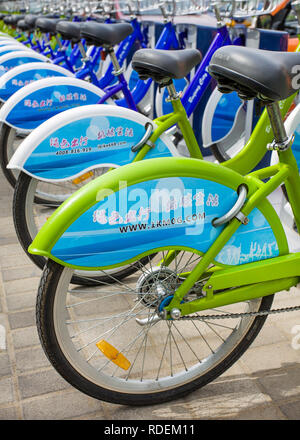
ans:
x=208 y=248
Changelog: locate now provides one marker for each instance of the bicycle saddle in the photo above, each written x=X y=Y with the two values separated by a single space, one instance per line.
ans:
x=98 y=34
x=254 y=73
x=24 y=26
x=47 y=24
x=31 y=19
x=69 y=30
x=13 y=19
x=162 y=64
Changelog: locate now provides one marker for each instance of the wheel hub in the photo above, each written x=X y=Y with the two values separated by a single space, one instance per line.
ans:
x=156 y=284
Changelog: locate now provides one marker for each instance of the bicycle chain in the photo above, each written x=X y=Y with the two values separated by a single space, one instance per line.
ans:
x=239 y=315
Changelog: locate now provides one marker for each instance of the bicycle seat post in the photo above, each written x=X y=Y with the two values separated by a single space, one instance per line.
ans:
x=83 y=53
x=173 y=94
x=217 y=14
x=281 y=141
x=117 y=68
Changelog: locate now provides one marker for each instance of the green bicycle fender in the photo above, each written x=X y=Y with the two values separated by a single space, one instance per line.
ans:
x=96 y=191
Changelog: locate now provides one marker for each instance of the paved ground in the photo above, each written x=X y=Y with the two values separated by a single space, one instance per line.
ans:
x=263 y=384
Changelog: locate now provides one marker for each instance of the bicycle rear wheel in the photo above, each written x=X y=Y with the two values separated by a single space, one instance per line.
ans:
x=110 y=343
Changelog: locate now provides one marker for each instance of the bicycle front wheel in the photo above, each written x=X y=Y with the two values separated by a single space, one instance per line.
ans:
x=110 y=342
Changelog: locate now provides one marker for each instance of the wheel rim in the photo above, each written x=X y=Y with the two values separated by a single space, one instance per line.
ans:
x=163 y=355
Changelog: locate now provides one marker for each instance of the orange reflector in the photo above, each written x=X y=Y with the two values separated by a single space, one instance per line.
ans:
x=113 y=354
x=83 y=177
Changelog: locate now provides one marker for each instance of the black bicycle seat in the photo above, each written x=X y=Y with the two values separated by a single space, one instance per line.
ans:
x=23 y=26
x=47 y=24
x=69 y=30
x=161 y=64
x=31 y=19
x=105 y=34
x=13 y=19
x=268 y=75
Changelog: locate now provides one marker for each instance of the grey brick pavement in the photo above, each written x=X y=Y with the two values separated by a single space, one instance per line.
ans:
x=263 y=384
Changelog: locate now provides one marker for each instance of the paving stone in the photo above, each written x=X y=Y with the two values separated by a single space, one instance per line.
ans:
x=4 y=364
x=59 y=406
x=22 y=319
x=25 y=337
x=11 y=249
x=226 y=398
x=9 y=413
x=31 y=359
x=8 y=239
x=176 y=409
x=10 y=261
x=291 y=410
x=23 y=285
x=290 y=327
x=6 y=390
x=269 y=334
x=270 y=412
x=282 y=383
x=41 y=382
x=16 y=273
x=91 y=416
x=266 y=358
x=21 y=301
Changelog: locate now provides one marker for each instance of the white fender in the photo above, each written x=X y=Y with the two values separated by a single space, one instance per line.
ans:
x=16 y=73
x=33 y=66
x=24 y=53
x=89 y=112
x=14 y=47
x=41 y=84
x=11 y=42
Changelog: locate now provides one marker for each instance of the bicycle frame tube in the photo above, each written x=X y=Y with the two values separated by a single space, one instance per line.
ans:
x=165 y=122
x=202 y=78
x=122 y=53
x=167 y=39
x=121 y=86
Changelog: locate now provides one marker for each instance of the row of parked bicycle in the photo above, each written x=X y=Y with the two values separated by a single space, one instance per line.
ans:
x=147 y=252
